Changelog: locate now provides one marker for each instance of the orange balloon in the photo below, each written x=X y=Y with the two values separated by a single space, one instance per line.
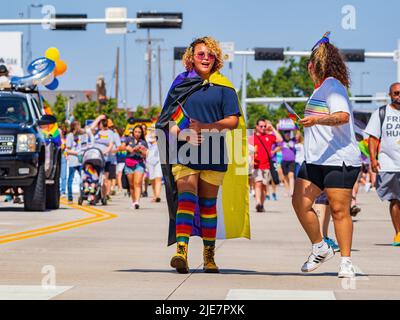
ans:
x=61 y=68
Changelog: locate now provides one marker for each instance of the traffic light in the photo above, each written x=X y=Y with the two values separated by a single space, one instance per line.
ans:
x=69 y=27
x=160 y=25
x=269 y=54
x=178 y=52
x=353 y=55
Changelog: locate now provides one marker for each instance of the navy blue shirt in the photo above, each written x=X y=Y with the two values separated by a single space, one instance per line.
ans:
x=210 y=104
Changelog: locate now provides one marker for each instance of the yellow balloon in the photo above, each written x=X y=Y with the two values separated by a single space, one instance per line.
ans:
x=60 y=69
x=52 y=54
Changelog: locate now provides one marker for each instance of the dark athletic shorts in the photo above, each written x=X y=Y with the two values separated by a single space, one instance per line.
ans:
x=111 y=169
x=288 y=166
x=342 y=177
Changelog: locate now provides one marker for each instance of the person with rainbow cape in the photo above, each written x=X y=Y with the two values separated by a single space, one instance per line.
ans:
x=206 y=182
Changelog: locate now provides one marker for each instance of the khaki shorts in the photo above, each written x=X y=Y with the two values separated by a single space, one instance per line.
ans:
x=215 y=178
x=260 y=175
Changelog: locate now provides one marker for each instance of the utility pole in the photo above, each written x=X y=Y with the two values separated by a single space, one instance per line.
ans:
x=149 y=42
x=173 y=69
x=149 y=58
x=29 y=41
x=125 y=75
x=159 y=74
x=125 y=58
x=117 y=78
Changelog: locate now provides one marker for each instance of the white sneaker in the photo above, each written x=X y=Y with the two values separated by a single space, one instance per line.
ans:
x=346 y=270
x=367 y=187
x=135 y=205
x=316 y=259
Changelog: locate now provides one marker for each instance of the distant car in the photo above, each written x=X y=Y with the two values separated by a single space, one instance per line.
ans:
x=29 y=159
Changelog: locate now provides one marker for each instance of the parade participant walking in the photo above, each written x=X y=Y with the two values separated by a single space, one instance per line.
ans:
x=64 y=160
x=112 y=158
x=263 y=143
x=121 y=156
x=276 y=157
x=206 y=102
x=384 y=149
x=332 y=157
x=146 y=179
x=153 y=166
x=299 y=152
x=323 y=211
x=104 y=140
x=74 y=143
x=288 y=160
x=137 y=149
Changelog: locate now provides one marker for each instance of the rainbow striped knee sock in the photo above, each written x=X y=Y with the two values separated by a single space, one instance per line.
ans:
x=184 y=216
x=208 y=220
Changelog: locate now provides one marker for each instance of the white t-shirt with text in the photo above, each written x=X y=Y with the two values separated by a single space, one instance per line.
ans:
x=389 y=153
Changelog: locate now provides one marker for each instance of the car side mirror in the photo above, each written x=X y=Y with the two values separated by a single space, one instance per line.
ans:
x=46 y=120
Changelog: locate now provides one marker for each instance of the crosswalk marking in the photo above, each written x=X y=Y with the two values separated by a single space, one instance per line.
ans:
x=30 y=292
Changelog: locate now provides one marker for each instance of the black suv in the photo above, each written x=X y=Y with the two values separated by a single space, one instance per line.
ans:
x=29 y=159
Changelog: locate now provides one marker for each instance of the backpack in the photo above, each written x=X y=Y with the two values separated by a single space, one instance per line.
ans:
x=382 y=115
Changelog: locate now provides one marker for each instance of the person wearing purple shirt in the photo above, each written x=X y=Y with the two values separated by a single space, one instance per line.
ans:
x=288 y=163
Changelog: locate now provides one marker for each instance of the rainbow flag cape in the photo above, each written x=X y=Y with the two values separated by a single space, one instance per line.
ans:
x=233 y=198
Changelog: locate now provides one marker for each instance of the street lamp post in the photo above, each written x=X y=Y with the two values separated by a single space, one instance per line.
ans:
x=126 y=69
x=29 y=42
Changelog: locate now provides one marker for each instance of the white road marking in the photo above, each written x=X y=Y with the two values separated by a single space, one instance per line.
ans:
x=262 y=294
x=30 y=292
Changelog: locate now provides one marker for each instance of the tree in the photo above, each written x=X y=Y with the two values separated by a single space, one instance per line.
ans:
x=89 y=111
x=139 y=112
x=85 y=111
x=154 y=112
x=59 y=108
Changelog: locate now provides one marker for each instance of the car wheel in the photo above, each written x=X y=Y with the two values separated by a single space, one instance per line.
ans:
x=35 y=194
x=53 y=191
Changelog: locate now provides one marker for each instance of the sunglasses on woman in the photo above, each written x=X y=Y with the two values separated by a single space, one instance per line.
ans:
x=202 y=55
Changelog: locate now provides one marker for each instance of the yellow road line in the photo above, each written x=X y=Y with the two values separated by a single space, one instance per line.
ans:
x=98 y=216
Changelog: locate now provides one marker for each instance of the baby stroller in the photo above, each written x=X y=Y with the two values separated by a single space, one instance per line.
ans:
x=93 y=164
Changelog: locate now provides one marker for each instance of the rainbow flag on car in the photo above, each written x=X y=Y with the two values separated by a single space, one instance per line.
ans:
x=51 y=132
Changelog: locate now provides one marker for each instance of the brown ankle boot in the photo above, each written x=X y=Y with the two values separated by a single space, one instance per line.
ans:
x=209 y=263
x=179 y=260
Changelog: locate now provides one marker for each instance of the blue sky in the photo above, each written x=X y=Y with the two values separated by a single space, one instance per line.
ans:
x=251 y=23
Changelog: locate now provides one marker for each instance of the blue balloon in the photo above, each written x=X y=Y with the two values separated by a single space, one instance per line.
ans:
x=37 y=71
x=53 y=85
x=41 y=66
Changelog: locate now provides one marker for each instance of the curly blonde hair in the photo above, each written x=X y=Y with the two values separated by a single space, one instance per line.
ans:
x=212 y=45
x=328 y=62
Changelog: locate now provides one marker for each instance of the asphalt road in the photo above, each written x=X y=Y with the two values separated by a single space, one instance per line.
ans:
x=114 y=252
